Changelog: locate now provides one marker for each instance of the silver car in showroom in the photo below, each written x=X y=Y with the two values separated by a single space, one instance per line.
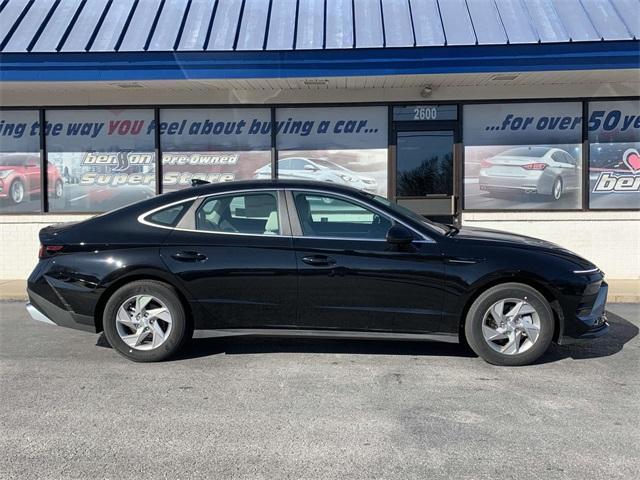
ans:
x=318 y=169
x=547 y=171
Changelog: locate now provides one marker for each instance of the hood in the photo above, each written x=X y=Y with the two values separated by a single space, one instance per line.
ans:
x=474 y=233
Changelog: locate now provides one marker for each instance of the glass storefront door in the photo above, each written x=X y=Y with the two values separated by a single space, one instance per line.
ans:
x=424 y=174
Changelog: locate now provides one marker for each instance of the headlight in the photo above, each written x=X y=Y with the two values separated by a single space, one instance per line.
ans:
x=5 y=173
x=587 y=272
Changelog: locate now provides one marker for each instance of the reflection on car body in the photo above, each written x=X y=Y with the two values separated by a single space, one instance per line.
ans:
x=546 y=171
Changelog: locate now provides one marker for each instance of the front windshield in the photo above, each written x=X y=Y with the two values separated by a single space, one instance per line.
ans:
x=411 y=214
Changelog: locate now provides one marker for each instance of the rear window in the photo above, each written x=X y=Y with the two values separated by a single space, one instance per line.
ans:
x=170 y=216
x=526 y=152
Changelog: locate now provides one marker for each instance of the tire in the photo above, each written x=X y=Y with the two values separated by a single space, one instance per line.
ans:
x=119 y=323
x=513 y=345
x=57 y=192
x=17 y=192
x=557 y=189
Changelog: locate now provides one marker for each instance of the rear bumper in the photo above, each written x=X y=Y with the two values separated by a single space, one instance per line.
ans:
x=44 y=311
x=38 y=315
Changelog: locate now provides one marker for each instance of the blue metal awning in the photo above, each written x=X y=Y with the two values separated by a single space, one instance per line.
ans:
x=40 y=37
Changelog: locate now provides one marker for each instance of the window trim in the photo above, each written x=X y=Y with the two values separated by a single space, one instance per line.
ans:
x=297 y=227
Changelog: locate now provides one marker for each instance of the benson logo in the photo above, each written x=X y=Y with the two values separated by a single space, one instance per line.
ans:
x=622 y=182
x=121 y=160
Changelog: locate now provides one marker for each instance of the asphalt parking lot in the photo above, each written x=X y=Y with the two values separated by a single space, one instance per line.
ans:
x=287 y=408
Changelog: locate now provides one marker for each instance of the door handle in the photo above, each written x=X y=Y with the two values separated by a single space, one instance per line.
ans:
x=318 y=260
x=188 y=256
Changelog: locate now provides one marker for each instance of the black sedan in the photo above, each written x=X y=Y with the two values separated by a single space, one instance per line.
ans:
x=305 y=258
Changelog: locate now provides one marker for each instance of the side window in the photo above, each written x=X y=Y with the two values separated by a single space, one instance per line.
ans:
x=569 y=159
x=253 y=213
x=558 y=157
x=298 y=163
x=170 y=216
x=323 y=215
x=284 y=164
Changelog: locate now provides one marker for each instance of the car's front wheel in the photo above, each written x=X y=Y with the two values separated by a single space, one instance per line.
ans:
x=145 y=321
x=510 y=324
x=17 y=192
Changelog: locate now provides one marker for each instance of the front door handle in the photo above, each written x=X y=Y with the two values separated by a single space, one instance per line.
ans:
x=189 y=256
x=319 y=260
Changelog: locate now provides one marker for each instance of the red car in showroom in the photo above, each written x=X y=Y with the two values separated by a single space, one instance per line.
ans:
x=20 y=177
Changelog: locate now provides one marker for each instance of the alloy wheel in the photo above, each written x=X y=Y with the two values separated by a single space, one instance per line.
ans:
x=511 y=326
x=143 y=322
x=17 y=192
x=557 y=189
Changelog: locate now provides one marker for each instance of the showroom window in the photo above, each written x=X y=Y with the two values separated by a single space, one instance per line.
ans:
x=343 y=145
x=614 y=155
x=20 y=166
x=523 y=156
x=103 y=158
x=216 y=145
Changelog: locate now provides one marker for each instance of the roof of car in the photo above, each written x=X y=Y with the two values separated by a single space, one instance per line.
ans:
x=280 y=183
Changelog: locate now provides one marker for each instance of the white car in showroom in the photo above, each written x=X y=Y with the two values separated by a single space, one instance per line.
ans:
x=318 y=169
x=540 y=170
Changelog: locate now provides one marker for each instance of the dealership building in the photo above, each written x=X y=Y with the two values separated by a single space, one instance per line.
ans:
x=519 y=115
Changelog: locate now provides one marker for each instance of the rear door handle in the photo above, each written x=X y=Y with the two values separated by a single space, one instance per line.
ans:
x=189 y=256
x=318 y=260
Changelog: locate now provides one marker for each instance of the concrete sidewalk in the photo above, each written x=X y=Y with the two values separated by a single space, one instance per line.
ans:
x=620 y=291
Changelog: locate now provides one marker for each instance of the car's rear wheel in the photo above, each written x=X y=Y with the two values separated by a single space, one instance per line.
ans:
x=145 y=321
x=510 y=324
x=17 y=191
x=556 y=190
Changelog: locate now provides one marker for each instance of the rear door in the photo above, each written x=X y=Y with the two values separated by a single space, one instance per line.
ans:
x=234 y=253
x=351 y=278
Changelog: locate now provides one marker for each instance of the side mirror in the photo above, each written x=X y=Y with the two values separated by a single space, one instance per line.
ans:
x=399 y=235
x=310 y=168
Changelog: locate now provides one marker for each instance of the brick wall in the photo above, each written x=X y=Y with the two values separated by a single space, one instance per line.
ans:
x=611 y=240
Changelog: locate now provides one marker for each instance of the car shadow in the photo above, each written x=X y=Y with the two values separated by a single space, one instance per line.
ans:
x=621 y=332
x=199 y=347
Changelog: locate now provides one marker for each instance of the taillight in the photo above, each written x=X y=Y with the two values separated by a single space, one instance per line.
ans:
x=535 y=166
x=48 y=250
x=486 y=164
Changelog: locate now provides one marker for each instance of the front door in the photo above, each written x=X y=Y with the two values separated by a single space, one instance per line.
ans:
x=351 y=278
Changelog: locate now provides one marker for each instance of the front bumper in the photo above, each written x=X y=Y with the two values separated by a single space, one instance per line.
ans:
x=593 y=324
